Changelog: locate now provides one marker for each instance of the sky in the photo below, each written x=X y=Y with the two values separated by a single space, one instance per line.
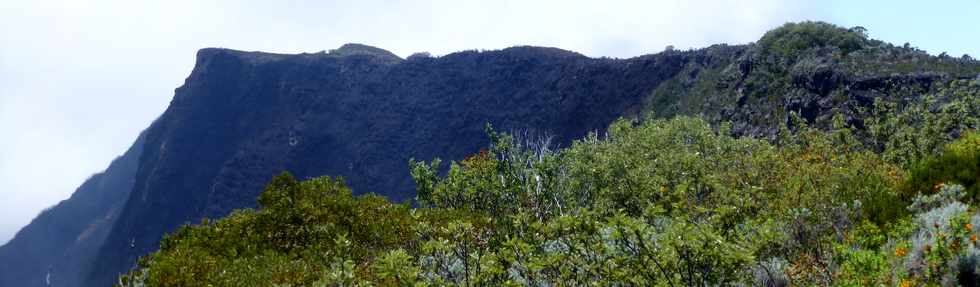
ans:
x=80 y=79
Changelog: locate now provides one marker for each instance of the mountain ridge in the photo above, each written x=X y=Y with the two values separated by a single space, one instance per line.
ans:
x=362 y=112
x=350 y=109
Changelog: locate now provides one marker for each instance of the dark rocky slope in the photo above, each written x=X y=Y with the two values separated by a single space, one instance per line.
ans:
x=357 y=112
x=362 y=112
x=59 y=245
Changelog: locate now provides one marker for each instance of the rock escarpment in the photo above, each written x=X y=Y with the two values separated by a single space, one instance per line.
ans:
x=357 y=112
x=362 y=112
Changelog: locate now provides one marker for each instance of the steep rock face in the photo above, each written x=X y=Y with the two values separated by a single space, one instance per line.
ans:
x=362 y=112
x=357 y=112
x=58 y=246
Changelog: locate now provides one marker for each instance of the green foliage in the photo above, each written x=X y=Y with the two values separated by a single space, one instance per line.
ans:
x=899 y=101
x=959 y=163
x=653 y=203
x=937 y=247
x=307 y=233
x=920 y=130
x=790 y=40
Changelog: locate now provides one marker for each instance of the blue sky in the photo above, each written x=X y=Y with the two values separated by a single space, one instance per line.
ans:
x=79 y=80
x=934 y=26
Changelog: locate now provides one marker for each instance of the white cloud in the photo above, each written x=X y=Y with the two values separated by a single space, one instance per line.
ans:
x=80 y=79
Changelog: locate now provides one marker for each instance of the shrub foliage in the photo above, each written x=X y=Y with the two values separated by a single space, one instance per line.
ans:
x=661 y=202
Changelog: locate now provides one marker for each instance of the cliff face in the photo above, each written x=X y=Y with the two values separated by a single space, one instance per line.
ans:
x=357 y=112
x=362 y=112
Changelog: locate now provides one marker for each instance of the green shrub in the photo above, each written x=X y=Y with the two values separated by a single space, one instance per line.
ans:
x=660 y=202
x=792 y=39
x=305 y=232
x=959 y=163
x=937 y=247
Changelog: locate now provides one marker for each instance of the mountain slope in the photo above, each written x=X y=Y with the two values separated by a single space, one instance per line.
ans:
x=243 y=117
x=362 y=112
x=58 y=246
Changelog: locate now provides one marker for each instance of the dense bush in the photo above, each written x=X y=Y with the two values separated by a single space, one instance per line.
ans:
x=959 y=164
x=908 y=133
x=793 y=38
x=305 y=233
x=937 y=247
x=660 y=202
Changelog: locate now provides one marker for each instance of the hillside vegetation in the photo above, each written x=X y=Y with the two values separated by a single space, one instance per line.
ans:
x=869 y=178
x=663 y=202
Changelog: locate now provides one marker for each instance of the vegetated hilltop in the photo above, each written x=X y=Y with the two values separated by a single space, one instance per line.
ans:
x=818 y=71
x=361 y=113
